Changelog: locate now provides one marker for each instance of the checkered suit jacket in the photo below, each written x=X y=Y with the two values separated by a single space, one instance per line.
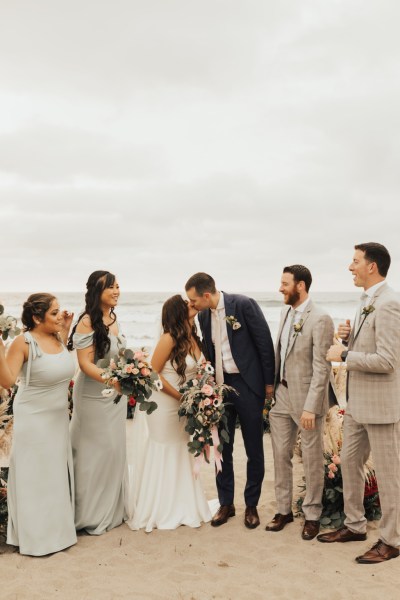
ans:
x=306 y=368
x=373 y=362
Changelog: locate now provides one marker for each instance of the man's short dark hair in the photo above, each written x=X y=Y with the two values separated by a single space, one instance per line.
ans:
x=300 y=273
x=202 y=283
x=374 y=252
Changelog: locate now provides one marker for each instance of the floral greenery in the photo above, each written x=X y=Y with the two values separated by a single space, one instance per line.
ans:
x=333 y=516
x=3 y=499
x=8 y=325
x=202 y=405
x=135 y=376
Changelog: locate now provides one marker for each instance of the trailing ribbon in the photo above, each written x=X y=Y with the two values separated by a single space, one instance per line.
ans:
x=217 y=453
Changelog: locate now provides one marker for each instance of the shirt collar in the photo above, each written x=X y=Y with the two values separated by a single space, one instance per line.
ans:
x=221 y=303
x=374 y=288
x=301 y=308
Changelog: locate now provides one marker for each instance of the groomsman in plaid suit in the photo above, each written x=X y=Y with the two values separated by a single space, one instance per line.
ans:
x=301 y=398
x=371 y=350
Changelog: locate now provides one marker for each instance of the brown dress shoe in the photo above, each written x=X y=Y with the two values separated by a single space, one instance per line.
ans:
x=251 y=518
x=279 y=521
x=342 y=535
x=310 y=530
x=223 y=515
x=378 y=553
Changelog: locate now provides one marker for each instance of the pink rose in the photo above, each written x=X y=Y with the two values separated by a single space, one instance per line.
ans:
x=138 y=355
x=331 y=475
x=135 y=371
x=332 y=468
x=145 y=372
x=336 y=459
x=128 y=369
x=207 y=390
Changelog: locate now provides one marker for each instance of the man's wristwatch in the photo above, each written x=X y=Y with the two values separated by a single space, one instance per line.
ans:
x=344 y=354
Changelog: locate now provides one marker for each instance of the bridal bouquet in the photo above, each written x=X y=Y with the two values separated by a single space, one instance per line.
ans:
x=135 y=376
x=8 y=325
x=205 y=413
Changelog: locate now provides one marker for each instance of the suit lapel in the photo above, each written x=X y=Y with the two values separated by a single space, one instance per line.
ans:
x=363 y=318
x=294 y=335
x=229 y=310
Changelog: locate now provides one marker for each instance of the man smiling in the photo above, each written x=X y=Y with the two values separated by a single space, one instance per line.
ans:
x=372 y=420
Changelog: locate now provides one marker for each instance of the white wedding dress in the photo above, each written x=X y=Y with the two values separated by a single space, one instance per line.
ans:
x=163 y=491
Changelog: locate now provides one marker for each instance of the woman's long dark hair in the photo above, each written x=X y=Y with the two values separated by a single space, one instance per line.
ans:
x=175 y=321
x=96 y=284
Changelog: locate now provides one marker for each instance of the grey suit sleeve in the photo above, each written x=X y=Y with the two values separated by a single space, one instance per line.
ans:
x=387 y=340
x=323 y=332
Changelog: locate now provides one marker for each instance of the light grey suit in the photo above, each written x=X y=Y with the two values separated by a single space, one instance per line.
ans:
x=372 y=420
x=307 y=375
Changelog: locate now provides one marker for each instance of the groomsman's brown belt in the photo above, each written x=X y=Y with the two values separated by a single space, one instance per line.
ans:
x=284 y=383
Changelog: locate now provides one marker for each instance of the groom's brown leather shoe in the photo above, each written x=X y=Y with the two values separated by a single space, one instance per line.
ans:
x=310 y=530
x=223 y=515
x=378 y=553
x=342 y=535
x=279 y=521
x=251 y=518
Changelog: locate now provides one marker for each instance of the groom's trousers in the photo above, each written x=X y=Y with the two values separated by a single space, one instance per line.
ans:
x=249 y=409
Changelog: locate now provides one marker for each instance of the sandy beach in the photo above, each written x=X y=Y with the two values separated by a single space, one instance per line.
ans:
x=226 y=563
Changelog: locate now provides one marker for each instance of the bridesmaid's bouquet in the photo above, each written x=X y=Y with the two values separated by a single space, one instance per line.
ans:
x=8 y=325
x=202 y=405
x=135 y=376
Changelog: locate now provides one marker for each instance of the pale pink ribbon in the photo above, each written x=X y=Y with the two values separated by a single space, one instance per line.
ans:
x=198 y=461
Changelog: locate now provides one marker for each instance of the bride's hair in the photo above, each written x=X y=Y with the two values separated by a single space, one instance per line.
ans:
x=175 y=321
x=96 y=284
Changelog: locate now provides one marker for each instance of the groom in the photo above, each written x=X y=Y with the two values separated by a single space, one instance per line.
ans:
x=238 y=342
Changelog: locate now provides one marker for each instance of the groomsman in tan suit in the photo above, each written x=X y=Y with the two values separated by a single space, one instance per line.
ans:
x=371 y=350
x=302 y=398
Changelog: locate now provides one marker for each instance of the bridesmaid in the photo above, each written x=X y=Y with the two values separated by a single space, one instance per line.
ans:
x=98 y=425
x=40 y=481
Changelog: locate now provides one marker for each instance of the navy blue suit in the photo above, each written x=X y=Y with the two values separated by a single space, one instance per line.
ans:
x=253 y=352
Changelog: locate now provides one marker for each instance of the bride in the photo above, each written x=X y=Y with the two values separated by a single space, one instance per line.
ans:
x=163 y=490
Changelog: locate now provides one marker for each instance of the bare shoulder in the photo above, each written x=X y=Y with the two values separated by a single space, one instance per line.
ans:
x=84 y=325
x=166 y=341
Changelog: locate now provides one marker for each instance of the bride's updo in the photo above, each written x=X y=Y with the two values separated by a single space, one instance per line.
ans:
x=37 y=306
x=175 y=321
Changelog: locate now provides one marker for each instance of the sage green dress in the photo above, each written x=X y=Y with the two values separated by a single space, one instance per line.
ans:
x=40 y=481
x=98 y=436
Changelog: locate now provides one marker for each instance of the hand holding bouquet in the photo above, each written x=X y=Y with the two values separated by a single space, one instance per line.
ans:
x=8 y=325
x=205 y=412
x=135 y=377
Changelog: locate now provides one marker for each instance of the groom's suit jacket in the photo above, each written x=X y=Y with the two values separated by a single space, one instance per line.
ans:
x=306 y=368
x=373 y=362
x=251 y=345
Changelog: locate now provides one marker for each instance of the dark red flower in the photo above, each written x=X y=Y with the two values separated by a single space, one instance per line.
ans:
x=132 y=401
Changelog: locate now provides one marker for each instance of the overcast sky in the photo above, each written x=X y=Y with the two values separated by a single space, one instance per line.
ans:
x=157 y=138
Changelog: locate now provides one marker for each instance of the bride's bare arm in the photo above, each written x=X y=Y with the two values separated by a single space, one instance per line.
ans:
x=161 y=354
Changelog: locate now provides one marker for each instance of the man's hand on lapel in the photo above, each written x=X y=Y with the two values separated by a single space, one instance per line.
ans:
x=307 y=420
x=335 y=351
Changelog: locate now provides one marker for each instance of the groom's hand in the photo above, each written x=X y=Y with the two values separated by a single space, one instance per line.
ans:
x=269 y=392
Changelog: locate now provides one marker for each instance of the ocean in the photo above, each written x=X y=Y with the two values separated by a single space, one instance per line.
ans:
x=139 y=313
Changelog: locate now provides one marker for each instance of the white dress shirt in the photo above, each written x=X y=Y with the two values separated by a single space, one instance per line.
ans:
x=294 y=316
x=228 y=364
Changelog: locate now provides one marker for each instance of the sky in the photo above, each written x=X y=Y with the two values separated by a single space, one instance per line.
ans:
x=156 y=139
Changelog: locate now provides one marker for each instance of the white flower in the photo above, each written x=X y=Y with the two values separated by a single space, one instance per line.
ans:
x=158 y=384
x=107 y=393
x=195 y=382
x=209 y=368
x=236 y=325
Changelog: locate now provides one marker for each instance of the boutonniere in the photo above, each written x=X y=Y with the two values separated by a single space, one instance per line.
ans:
x=298 y=327
x=233 y=322
x=367 y=310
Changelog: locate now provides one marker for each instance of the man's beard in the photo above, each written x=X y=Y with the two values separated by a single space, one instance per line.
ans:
x=293 y=298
